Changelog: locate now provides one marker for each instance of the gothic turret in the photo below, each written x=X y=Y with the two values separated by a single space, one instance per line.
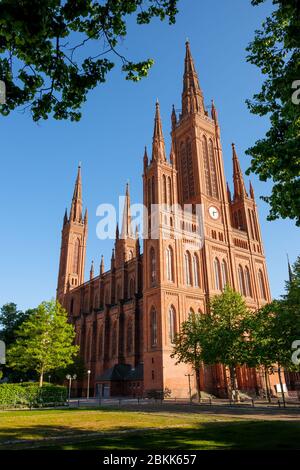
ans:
x=102 y=265
x=238 y=179
x=126 y=225
x=158 y=145
x=76 y=207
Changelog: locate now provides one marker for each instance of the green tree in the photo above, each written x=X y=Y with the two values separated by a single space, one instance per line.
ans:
x=186 y=346
x=276 y=157
x=225 y=334
x=53 y=52
x=44 y=341
x=10 y=319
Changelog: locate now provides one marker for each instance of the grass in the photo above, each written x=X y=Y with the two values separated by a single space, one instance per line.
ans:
x=115 y=429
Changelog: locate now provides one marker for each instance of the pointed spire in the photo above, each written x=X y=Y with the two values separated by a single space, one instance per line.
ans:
x=251 y=191
x=228 y=193
x=173 y=117
x=289 y=269
x=86 y=216
x=112 y=261
x=65 y=217
x=158 y=145
x=117 y=231
x=172 y=155
x=238 y=180
x=92 y=270
x=102 y=265
x=76 y=207
x=126 y=224
x=145 y=159
x=214 y=113
x=192 y=97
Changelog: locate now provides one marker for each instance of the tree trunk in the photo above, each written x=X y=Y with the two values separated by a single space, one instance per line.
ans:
x=233 y=382
x=281 y=386
x=41 y=377
x=197 y=371
x=267 y=384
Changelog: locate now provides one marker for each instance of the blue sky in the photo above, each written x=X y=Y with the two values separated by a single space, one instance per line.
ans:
x=39 y=161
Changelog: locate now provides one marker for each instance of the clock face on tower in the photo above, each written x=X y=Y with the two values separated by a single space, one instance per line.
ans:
x=213 y=212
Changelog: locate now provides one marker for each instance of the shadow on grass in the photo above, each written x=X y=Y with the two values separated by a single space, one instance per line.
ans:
x=258 y=435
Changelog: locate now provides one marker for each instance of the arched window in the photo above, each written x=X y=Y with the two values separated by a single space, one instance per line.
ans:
x=130 y=255
x=224 y=273
x=187 y=267
x=153 y=328
x=114 y=340
x=100 y=347
x=217 y=274
x=76 y=256
x=240 y=217
x=169 y=264
x=190 y=170
x=206 y=166
x=164 y=189
x=96 y=301
x=251 y=223
x=241 y=280
x=172 y=323
x=149 y=196
x=213 y=173
x=255 y=226
x=152 y=266
x=191 y=314
x=131 y=288
x=236 y=222
x=262 y=285
x=129 y=340
x=169 y=191
x=196 y=270
x=248 y=282
x=153 y=190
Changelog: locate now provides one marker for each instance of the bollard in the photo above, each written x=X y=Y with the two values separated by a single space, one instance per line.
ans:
x=210 y=401
x=252 y=402
x=279 y=404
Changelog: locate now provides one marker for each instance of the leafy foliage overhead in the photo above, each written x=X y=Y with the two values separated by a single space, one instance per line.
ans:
x=275 y=50
x=43 y=50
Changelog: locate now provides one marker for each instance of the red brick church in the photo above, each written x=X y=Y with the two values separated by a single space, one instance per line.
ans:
x=126 y=317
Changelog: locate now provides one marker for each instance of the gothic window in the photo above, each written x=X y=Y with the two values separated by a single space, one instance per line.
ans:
x=96 y=302
x=114 y=340
x=217 y=274
x=191 y=314
x=224 y=273
x=131 y=288
x=152 y=266
x=164 y=189
x=240 y=218
x=241 y=280
x=172 y=323
x=129 y=340
x=262 y=285
x=213 y=173
x=255 y=226
x=188 y=271
x=118 y=292
x=196 y=270
x=206 y=167
x=149 y=195
x=190 y=170
x=251 y=223
x=153 y=327
x=184 y=171
x=76 y=256
x=169 y=264
x=100 y=347
x=248 y=282
x=235 y=218
x=169 y=191
x=130 y=255
x=153 y=190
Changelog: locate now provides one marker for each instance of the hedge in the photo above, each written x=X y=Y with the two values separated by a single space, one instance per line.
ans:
x=31 y=394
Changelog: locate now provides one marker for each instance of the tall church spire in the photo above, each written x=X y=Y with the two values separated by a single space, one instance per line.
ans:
x=192 y=97
x=238 y=180
x=126 y=225
x=158 y=145
x=76 y=207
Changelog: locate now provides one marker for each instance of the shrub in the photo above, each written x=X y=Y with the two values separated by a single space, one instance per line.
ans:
x=30 y=394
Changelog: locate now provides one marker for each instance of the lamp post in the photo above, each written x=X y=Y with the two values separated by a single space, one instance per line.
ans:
x=88 y=385
x=69 y=378
x=190 y=389
x=49 y=378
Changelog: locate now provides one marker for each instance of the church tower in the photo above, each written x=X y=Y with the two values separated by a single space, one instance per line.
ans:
x=73 y=244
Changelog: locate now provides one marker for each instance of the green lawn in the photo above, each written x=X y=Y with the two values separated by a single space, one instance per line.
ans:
x=116 y=429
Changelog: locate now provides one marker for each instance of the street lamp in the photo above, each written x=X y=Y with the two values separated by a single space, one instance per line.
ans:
x=88 y=385
x=69 y=378
x=49 y=378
